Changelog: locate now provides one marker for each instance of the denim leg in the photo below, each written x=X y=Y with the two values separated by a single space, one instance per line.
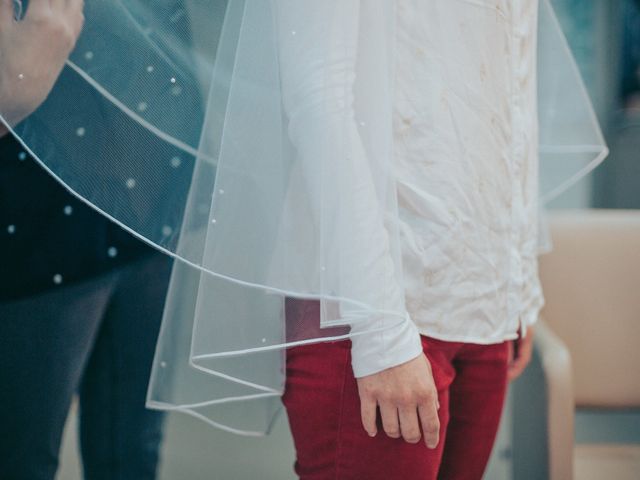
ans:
x=45 y=341
x=120 y=438
x=476 y=400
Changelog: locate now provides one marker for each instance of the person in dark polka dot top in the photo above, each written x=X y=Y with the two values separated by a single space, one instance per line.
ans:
x=81 y=300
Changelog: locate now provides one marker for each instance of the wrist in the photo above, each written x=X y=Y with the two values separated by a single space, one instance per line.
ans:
x=377 y=351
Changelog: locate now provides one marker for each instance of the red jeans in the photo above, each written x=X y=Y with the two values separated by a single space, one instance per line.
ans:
x=323 y=407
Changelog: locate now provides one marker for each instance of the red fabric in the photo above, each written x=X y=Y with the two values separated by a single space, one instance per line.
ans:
x=323 y=406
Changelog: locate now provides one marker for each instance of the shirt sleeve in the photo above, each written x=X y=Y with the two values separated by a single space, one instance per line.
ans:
x=318 y=43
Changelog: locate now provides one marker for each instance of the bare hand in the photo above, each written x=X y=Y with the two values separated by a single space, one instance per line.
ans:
x=407 y=398
x=520 y=354
x=33 y=52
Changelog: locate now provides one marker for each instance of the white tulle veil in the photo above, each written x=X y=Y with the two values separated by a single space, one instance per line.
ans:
x=191 y=123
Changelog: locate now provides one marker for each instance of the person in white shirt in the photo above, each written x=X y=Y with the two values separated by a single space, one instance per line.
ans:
x=465 y=129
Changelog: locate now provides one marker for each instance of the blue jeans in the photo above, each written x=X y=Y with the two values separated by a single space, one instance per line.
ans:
x=95 y=338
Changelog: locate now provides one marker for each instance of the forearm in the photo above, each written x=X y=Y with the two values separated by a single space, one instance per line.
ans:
x=377 y=351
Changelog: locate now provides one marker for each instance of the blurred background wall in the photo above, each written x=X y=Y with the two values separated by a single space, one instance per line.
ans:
x=604 y=36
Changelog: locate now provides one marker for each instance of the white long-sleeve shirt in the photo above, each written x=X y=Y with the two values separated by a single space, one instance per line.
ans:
x=465 y=160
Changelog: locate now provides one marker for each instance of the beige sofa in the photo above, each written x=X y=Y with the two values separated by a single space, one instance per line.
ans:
x=589 y=340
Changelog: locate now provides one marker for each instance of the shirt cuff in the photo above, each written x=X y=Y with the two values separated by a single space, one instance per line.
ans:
x=377 y=351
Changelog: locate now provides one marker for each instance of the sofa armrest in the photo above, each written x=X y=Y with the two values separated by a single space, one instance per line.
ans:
x=556 y=365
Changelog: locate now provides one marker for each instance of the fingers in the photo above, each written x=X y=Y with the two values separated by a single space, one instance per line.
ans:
x=430 y=423
x=390 y=422
x=409 y=424
x=368 y=410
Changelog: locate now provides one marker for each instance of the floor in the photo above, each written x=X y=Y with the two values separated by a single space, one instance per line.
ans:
x=196 y=451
